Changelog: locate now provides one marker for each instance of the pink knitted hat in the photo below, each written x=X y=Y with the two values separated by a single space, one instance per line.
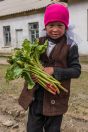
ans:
x=56 y=12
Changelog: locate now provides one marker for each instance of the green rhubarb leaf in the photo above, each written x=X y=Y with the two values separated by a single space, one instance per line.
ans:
x=13 y=72
x=28 y=78
x=31 y=85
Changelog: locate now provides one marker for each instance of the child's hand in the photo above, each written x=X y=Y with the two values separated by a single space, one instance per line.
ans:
x=49 y=70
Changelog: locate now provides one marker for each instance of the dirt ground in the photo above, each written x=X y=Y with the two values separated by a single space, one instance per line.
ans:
x=13 y=118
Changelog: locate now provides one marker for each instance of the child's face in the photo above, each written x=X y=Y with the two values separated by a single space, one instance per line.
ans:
x=55 y=29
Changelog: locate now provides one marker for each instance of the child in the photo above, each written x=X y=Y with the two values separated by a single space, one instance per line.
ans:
x=61 y=60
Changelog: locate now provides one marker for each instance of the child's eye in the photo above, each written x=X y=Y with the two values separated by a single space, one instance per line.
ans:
x=54 y=25
x=51 y=25
x=59 y=25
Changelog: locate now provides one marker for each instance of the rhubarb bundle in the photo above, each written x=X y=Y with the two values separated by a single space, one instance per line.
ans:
x=25 y=62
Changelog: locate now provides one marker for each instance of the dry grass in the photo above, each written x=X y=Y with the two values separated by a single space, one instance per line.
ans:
x=79 y=85
x=13 y=87
x=78 y=102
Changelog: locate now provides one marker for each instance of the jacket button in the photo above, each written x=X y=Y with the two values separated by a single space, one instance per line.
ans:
x=33 y=99
x=52 y=101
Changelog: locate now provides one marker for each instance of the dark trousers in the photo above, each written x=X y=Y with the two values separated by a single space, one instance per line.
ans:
x=40 y=123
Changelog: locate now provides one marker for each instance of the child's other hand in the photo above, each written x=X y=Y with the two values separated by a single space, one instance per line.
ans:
x=49 y=70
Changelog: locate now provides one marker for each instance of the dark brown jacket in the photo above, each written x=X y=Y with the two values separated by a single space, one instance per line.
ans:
x=52 y=104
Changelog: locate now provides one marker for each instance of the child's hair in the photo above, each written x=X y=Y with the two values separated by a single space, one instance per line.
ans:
x=56 y=12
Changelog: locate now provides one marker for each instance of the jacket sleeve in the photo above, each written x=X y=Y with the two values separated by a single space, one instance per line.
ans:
x=27 y=96
x=74 y=68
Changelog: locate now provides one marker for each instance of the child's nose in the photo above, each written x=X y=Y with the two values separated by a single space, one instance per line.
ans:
x=55 y=29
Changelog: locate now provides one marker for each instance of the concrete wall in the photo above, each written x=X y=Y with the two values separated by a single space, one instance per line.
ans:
x=78 y=17
x=17 y=24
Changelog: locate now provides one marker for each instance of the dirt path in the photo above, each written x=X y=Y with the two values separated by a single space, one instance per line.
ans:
x=13 y=118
